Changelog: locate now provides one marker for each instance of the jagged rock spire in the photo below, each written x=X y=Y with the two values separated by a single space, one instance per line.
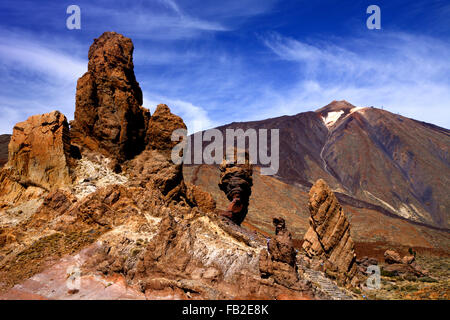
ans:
x=328 y=237
x=108 y=116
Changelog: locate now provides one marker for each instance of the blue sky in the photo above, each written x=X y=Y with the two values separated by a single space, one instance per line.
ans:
x=214 y=62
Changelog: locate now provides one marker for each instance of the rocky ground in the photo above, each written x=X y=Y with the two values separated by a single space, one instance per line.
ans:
x=434 y=286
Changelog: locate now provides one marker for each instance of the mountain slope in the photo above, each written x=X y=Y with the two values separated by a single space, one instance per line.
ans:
x=372 y=158
x=272 y=197
x=394 y=162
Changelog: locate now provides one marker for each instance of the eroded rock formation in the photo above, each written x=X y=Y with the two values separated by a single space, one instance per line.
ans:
x=161 y=125
x=236 y=182
x=391 y=256
x=328 y=239
x=405 y=266
x=109 y=116
x=279 y=261
x=39 y=158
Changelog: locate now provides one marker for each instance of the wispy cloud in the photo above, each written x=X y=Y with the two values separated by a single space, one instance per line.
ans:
x=402 y=72
x=36 y=78
x=34 y=56
x=157 y=20
x=193 y=56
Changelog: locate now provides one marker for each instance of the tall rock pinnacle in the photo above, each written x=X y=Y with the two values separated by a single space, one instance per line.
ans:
x=328 y=237
x=108 y=114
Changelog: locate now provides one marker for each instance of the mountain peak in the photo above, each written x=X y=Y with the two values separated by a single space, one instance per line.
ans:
x=334 y=106
x=336 y=110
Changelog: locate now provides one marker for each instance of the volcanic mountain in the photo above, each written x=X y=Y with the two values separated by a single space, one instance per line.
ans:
x=371 y=158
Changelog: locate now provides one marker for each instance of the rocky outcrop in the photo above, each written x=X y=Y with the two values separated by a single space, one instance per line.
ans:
x=236 y=182
x=154 y=168
x=39 y=158
x=391 y=257
x=161 y=125
x=328 y=238
x=109 y=117
x=364 y=263
x=279 y=261
x=397 y=266
x=200 y=198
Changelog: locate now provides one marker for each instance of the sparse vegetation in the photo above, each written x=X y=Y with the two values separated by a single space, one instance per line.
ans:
x=434 y=286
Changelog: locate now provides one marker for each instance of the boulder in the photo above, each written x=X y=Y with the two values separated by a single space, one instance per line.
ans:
x=328 y=237
x=401 y=269
x=391 y=257
x=109 y=117
x=408 y=259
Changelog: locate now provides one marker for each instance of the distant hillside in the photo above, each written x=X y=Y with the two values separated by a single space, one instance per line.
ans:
x=372 y=158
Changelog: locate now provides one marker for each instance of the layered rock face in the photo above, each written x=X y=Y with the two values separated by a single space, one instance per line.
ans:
x=39 y=158
x=328 y=238
x=108 y=116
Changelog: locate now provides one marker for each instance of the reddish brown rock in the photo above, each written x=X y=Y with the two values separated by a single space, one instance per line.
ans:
x=200 y=198
x=236 y=182
x=328 y=237
x=154 y=169
x=401 y=269
x=391 y=257
x=108 y=116
x=408 y=259
x=279 y=261
x=39 y=158
x=4 y=141
x=161 y=125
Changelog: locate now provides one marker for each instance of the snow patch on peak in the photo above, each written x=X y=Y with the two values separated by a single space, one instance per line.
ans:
x=331 y=118
x=356 y=109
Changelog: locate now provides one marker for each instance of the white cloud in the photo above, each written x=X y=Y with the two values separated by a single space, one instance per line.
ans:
x=36 y=78
x=34 y=56
x=404 y=73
